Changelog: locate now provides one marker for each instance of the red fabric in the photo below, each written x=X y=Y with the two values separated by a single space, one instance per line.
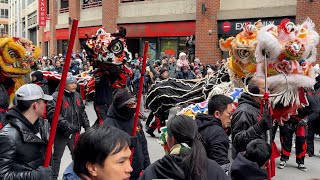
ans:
x=76 y=138
x=301 y=131
x=275 y=154
x=286 y=153
x=1 y=125
x=3 y=110
x=303 y=153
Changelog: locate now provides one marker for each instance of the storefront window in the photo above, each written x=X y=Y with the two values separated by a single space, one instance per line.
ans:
x=152 y=50
x=169 y=46
x=182 y=44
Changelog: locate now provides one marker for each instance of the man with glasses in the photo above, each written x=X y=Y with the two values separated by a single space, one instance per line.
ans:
x=23 y=140
x=213 y=126
x=121 y=115
x=72 y=117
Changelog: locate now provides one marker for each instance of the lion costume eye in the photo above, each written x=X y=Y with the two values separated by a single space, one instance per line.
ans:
x=291 y=27
x=243 y=53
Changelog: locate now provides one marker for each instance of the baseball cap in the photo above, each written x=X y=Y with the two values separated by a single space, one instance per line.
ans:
x=29 y=92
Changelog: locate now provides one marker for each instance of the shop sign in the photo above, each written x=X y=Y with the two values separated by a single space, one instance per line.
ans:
x=42 y=12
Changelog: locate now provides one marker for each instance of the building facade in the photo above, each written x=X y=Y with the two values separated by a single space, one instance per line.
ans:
x=165 y=23
x=4 y=18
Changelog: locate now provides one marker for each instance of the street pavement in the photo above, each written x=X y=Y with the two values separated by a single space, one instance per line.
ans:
x=156 y=152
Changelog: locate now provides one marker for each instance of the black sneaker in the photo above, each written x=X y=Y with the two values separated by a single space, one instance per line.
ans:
x=282 y=164
x=302 y=167
x=150 y=132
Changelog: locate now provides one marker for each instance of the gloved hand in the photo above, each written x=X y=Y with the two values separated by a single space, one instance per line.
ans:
x=45 y=173
x=303 y=122
x=264 y=124
x=72 y=128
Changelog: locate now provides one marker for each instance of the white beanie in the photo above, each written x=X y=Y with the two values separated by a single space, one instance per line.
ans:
x=182 y=54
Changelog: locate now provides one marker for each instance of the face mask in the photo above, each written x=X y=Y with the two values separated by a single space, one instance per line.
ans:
x=127 y=113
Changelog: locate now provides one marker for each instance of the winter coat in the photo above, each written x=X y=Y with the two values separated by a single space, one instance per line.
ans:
x=187 y=75
x=141 y=158
x=191 y=46
x=244 y=117
x=44 y=85
x=214 y=137
x=171 y=167
x=244 y=169
x=58 y=69
x=72 y=113
x=181 y=63
x=172 y=69
x=22 y=151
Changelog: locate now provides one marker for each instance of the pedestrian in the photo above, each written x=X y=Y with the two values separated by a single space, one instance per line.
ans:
x=58 y=68
x=247 y=122
x=213 y=126
x=23 y=140
x=4 y=105
x=182 y=61
x=72 y=117
x=121 y=115
x=250 y=165
x=185 y=73
x=172 y=67
x=187 y=158
x=108 y=159
x=37 y=78
x=191 y=45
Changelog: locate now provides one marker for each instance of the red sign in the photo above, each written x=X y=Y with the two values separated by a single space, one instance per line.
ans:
x=88 y=30
x=226 y=26
x=185 y=28
x=42 y=12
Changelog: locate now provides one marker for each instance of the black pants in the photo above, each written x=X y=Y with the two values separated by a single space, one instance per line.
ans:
x=286 y=135
x=313 y=129
x=101 y=111
x=60 y=143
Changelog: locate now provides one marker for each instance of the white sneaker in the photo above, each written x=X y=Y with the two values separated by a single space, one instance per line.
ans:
x=302 y=167
x=282 y=164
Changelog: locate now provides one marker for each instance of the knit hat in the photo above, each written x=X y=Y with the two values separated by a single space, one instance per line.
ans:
x=122 y=97
x=182 y=54
x=71 y=78
x=38 y=75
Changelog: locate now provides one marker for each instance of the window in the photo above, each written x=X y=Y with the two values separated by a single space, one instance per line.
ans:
x=30 y=1
x=91 y=3
x=32 y=19
x=4 y=13
x=4 y=1
x=5 y=29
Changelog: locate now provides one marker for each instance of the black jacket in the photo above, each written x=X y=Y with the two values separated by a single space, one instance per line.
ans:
x=244 y=169
x=22 y=151
x=44 y=85
x=103 y=86
x=141 y=158
x=244 y=117
x=171 y=167
x=72 y=113
x=214 y=137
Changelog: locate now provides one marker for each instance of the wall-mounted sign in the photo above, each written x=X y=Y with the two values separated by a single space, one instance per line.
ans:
x=42 y=12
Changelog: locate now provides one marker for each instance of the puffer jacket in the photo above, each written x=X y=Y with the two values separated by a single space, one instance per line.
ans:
x=72 y=113
x=22 y=152
x=141 y=158
x=245 y=116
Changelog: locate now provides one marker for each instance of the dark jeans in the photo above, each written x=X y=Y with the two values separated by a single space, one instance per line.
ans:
x=60 y=143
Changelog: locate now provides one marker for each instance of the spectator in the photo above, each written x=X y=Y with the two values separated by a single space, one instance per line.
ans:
x=187 y=158
x=58 y=68
x=23 y=140
x=72 y=117
x=251 y=163
x=182 y=61
x=212 y=128
x=37 y=78
x=125 y=102
x=164 y=74
x=191 y=48
x=136 y=59
x=197 y=73
x=108 y=159
x=185 y=73
x=48 y=66
x=172 y=67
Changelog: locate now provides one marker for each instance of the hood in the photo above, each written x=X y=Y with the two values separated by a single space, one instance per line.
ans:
x=42 y=82
x=244 y=169
x=169 y=167
x=15 y=113
x=247 y=99
x=119 y=120
x=204 y=121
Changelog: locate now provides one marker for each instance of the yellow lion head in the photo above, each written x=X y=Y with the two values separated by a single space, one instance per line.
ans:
x=17 y=55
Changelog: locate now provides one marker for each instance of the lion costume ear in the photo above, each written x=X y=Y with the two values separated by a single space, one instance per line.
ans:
x=225 y=45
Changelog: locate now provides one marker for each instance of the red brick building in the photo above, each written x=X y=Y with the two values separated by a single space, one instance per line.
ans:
x=166 y=23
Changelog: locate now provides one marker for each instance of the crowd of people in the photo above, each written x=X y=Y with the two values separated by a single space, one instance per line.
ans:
x=198 y=148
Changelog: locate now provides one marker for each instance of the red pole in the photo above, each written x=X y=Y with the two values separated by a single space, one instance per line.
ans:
x=60 y=93
x=136 y=116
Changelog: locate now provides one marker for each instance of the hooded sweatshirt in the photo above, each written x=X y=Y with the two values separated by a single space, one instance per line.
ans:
x=214 y=137
x=243 y=169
